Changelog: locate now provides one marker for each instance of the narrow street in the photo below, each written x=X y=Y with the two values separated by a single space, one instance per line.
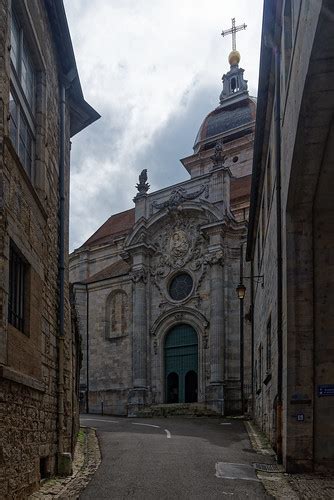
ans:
x=173 y=458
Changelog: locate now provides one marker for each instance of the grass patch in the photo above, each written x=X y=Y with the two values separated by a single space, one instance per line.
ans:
x=81 y=436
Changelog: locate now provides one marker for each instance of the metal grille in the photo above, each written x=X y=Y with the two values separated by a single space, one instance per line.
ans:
x=266 y=467
x=17 y=282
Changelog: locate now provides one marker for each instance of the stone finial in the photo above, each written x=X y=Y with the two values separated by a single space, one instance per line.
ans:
x=142 y=186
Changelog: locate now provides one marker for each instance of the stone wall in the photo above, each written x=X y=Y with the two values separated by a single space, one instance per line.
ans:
x=306 y=105
x=29 y=430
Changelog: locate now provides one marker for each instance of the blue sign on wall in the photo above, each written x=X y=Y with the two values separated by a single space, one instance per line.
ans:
x=326 y=390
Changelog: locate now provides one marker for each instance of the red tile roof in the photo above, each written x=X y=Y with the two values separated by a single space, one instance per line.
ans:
x=118 y=268
x=116 y=226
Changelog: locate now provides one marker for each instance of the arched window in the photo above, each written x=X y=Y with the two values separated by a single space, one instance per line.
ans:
x=117 y=311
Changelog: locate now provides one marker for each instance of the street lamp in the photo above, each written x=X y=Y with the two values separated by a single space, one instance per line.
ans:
x=241 y=291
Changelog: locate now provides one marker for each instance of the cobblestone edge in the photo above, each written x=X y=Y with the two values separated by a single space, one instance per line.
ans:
x=87 y=458
x=275 y=484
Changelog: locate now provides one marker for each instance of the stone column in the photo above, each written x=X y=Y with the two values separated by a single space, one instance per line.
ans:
x=216 y=319
x=139 y=371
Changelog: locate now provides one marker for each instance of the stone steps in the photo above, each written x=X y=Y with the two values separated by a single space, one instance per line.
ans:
x=176 y=409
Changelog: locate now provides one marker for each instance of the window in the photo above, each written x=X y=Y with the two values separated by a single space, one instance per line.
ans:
x=17 y=287
x=268 y=353
x=181 y=286
x=263 y=221
x=269 y=187
x=258 y=252
x=22 y=98
x=287 y=34
x=259 y=377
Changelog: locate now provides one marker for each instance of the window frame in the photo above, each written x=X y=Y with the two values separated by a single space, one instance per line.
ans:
x=268 y=345
x=17 y=289
x=25 y=107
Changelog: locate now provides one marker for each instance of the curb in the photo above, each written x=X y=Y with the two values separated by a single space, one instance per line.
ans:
x=87 y=458
x=275 y=484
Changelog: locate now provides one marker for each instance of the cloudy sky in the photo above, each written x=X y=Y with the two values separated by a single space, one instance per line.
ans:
x=152 y=69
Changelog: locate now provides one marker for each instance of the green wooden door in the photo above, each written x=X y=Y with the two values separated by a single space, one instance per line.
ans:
x=181 y=364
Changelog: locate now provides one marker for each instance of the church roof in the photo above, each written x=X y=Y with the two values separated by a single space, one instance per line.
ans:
x=116 y=226
x=116 y=269
x=226 y=119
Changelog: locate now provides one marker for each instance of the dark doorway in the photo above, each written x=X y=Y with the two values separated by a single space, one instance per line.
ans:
x=181 y=358
x=191 y=387
x=173 y=388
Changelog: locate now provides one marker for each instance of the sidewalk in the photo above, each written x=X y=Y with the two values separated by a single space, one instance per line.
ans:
x=287 y=486
x=87 y=459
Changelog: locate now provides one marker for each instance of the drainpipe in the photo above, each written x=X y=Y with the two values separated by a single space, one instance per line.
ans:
x=241 y=325
x=87 y=349
x=61 y=270
x=252 y=334
x=279 y=252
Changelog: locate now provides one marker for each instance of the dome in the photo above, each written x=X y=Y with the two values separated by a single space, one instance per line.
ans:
x=235 y=116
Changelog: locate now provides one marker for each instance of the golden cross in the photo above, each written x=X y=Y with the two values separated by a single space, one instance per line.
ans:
x=232 y=31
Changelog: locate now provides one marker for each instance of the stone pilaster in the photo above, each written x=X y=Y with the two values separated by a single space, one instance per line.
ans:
x=138 y=396
x=215 y=392
x=216 y=319
x=139 y=278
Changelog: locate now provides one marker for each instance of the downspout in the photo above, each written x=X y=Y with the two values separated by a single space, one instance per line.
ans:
x=87 y=348
x=279 y=408
x=241 y=326
x=61 y=269
x=252 y=335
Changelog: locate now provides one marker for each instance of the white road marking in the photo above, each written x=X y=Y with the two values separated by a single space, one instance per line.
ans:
x=168 y=434
x=225 y=423
x=100 y=420
x=147 y=425
x=240 y=478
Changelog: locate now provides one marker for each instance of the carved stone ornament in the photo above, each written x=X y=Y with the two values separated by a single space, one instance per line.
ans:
x=179 y=243
x=155 y=346
x=218 y=157
x=215 y=258
x=139 y=275
x=180 y=195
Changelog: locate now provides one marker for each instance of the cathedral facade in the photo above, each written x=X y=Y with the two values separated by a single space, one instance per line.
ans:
x=155 y=285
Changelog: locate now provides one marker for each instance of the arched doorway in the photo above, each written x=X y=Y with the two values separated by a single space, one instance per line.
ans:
x=181 y=364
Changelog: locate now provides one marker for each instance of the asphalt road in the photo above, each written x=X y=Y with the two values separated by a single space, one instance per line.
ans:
x=173 y=458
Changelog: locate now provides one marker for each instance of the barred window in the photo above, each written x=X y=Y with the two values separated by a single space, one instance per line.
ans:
x=17 y=287
x=22 y=97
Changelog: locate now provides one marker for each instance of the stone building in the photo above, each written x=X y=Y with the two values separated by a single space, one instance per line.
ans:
x=155 y=285
x=42 y=106
x=291 y=239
